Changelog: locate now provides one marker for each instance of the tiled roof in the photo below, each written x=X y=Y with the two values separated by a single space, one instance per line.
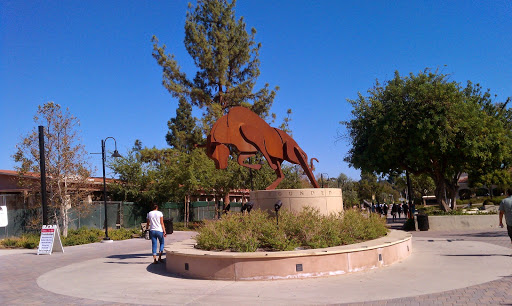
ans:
x=15 y=173
x=93 y=180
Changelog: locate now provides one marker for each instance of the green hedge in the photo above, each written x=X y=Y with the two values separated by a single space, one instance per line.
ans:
x=308 y=229
x=436 y=211
x=494 y=200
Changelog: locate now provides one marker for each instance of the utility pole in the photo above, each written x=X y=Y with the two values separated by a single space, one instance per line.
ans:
x=42 y=169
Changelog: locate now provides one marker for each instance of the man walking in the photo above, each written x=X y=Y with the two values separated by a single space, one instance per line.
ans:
x=506 y=209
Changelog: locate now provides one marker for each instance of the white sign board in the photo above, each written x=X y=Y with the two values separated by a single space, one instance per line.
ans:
x=50 y=240
x=3 y=216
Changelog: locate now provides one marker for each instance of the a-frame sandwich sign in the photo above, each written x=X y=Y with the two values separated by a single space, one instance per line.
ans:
x=50 y=240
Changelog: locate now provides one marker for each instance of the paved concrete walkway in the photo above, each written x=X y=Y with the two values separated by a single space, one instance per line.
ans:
x=472 y=267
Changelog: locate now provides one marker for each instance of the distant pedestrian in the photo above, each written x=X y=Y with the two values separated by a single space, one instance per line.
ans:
x=155 y=224
x=399 y=210
x=373 y=208
x=506 y=209
x=393 y=211
x=405 y=207
x=386 y=208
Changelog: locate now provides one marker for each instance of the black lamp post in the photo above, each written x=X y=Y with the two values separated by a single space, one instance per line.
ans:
x=322 y=179
x=277 y=206
x=103 y=158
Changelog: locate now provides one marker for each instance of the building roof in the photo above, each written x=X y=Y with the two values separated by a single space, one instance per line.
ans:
x=95 y=182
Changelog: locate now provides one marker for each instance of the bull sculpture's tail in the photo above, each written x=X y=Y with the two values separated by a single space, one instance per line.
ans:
x=311 y=163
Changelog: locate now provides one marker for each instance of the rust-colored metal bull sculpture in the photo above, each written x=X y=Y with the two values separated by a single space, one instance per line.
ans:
x=250 y=134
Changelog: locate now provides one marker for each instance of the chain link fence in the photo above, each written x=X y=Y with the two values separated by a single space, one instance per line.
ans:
x=120 y=214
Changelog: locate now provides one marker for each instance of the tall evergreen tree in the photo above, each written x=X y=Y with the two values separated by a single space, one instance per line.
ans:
x=226 y=56
x=183 y=132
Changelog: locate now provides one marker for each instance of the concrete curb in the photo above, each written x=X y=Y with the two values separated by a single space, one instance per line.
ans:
x=183 y=259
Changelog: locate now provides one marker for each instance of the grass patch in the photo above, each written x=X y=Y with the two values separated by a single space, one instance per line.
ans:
x=79 y=236
x=307 y=229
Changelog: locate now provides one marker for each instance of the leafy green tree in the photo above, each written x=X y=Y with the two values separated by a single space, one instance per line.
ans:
x=501 y=178
x=421 y=185
x=348 y=189
x=366 y=187
x=427 y=124
x=226 y=56
x=183 y=133
x=293 y=177
x=143 y=176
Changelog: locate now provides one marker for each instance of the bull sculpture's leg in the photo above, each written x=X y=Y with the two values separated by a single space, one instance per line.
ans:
x=279 y=174
x=243 y=156
x=255 y=137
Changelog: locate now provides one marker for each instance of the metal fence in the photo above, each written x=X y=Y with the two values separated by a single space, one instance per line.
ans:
x=120 y=214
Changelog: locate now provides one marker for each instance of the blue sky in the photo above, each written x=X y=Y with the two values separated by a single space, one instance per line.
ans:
x=94 y=57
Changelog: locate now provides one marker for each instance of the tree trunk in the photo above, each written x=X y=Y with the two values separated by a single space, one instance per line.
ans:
x=65 y=204
x=440 y=193
x=64 y=208
x=226 y=201
x=451 y=191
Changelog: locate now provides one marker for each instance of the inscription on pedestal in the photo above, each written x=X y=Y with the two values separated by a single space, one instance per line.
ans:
x=326 y=200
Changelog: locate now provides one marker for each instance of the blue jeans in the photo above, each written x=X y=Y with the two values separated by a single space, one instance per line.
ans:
x=154 y=235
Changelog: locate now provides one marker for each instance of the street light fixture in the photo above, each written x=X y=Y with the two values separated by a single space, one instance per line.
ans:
x=322 y=179
x=103 y=158
x=277 y=207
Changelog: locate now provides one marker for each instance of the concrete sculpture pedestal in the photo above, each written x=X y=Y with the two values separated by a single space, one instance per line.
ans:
x=184 y=260
x=326 y=200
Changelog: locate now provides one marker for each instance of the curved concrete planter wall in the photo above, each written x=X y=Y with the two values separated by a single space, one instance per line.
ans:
x=184 y=260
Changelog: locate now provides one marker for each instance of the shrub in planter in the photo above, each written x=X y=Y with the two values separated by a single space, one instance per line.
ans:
x=83 y=235
x=307 y=229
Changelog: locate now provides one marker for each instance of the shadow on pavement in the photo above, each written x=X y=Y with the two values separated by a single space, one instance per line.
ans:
x=130 y=256
x=161 y=270
x=157 y=269
x=485 y=234
x=147 y=259
x=397 y=224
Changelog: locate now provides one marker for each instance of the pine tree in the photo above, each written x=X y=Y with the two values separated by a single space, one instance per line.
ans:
x=183 y=132
x=226 y=56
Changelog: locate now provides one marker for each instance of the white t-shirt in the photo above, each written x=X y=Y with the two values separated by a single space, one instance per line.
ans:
x=154 y=220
